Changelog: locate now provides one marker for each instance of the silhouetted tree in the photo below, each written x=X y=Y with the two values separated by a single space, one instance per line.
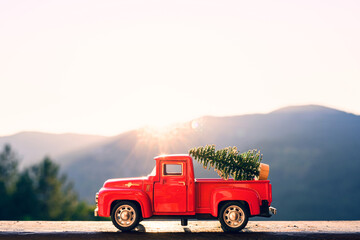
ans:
x=39 y=192
x=24 y=199
x=8 y=167
x=8 y=174
x=54 y=196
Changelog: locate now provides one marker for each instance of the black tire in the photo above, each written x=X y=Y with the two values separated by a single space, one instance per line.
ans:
x=125 y=215
x=233 y=216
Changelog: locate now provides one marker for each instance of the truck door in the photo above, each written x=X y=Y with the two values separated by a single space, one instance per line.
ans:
x=170 y=193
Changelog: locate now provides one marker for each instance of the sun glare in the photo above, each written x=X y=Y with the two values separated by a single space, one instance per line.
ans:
x=159 y=131
x=166 y=131
x=169 y=138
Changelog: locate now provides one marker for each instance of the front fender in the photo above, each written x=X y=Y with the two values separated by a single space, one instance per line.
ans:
x=109 y=195
x=235 y=194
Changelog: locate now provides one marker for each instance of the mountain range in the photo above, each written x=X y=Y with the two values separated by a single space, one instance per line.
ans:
x=313 y=153
x=33 y=146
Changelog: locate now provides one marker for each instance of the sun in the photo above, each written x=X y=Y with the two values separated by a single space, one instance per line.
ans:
x=159 y=131
x=167 y=138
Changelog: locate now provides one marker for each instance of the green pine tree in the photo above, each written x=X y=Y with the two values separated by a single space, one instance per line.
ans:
x=55 y=197
x=42 y=193
x=228 y=162
x=8 y=176
x=39 y=192
x=8 y=167
x=25 y=203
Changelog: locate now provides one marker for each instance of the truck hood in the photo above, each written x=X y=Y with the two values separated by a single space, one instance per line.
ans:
x=125 y=183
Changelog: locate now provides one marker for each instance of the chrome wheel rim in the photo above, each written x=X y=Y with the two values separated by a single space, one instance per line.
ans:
x=234 y=216
x=125 y=215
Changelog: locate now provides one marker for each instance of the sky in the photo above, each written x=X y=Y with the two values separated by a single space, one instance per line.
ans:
x=106 y=67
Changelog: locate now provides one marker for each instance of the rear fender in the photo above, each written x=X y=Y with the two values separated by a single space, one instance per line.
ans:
x=249 y=196
x=108 y=196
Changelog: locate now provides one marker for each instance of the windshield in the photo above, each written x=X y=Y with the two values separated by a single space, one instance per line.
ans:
x=153 y=172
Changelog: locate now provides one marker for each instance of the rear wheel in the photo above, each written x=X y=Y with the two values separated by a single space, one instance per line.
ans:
x=233 y=216
x=125 y=215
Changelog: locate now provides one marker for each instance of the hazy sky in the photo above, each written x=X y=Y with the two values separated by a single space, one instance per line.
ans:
x=105 y=67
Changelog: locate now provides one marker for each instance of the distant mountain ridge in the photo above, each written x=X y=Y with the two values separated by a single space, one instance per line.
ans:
x=307 y=108
x=313 y=152
x=33 y=146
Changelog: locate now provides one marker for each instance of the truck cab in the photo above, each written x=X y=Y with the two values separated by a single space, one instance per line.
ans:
x=171 y=191
x=174 y=188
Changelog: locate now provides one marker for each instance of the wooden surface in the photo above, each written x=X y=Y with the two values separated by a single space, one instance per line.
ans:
x=173 y=229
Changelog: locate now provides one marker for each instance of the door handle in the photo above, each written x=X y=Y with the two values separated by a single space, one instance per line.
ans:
x=182 y=183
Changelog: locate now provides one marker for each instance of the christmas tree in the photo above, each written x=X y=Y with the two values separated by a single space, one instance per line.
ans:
x=228 y=162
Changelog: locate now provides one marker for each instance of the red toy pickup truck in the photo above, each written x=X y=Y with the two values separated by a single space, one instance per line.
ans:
x=171 y=191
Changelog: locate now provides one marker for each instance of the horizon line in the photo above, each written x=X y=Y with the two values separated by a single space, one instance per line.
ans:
x=172 y=124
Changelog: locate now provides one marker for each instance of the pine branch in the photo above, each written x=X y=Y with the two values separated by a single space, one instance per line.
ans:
x=228 y=162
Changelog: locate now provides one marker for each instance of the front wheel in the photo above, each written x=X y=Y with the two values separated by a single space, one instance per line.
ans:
x=125 y=216
x=233 y=216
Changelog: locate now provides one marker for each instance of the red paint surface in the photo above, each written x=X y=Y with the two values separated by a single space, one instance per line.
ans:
x=167 y=194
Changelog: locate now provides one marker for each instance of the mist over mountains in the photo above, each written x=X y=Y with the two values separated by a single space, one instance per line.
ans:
x=313 y=152
x=33 y=146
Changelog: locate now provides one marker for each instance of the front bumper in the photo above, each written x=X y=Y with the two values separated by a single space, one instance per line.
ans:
x=96 y=212
x=97 y=208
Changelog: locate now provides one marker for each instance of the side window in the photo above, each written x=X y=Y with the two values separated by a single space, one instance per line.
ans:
x=172 y=169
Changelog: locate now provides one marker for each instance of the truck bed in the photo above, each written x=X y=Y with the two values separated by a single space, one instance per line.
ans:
x=204 y=187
